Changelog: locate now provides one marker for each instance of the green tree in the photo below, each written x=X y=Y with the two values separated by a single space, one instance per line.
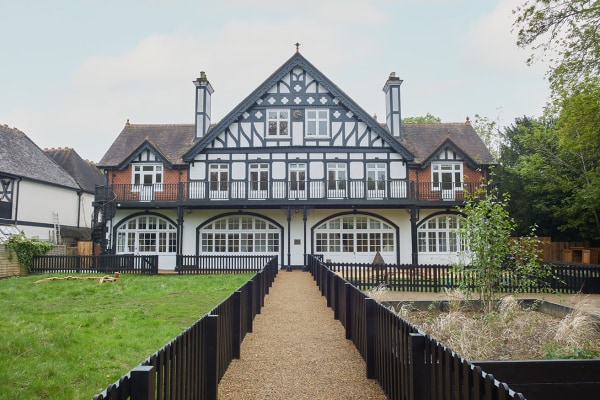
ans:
x=565 y=31
x=425 y=119
x=578 y=156
x=526 y=174
x=486 y=232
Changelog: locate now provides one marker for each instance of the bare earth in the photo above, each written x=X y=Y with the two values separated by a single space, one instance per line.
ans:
x=297 y=350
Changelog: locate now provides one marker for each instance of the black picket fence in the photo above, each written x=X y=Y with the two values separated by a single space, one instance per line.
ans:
x=191 y=365
x=106 y=263
x=564 y=277
x=222 y=264
x=406 y=363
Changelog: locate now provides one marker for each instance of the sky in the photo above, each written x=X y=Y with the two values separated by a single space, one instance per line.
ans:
x=72 y=72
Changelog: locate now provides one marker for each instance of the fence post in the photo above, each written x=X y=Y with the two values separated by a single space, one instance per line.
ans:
x=250 y=305
x=211 y=360
x=417 y=371
x=348 y=294
x=237 y=321
x=371 y=328
x=143 y=383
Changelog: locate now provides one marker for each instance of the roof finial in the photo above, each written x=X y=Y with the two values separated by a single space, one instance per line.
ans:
x=297 y=47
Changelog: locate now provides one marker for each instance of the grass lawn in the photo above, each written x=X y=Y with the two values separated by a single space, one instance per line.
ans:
x=69 y=339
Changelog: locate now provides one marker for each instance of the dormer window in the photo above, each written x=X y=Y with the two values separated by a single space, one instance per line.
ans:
x=148 y=174
x=278 y=122
x=317 y=122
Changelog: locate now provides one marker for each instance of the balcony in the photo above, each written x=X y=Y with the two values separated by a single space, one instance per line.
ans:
x=283 y=193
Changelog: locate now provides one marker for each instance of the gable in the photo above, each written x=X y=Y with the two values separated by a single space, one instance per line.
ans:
x=297 y=106
x=444 y=141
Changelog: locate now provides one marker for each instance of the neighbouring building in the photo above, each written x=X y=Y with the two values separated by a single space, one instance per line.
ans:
x=297 y=168
x=38 y=196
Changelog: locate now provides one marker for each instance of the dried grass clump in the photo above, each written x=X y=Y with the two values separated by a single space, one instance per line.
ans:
x=579 y=329
x=378 y=293
x=510 y=333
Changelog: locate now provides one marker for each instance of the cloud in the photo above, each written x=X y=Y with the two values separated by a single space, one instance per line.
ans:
x=491 y=44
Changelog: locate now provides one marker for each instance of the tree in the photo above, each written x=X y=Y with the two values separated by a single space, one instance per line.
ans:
x=568 y=30
x=486 y=231
x=426 y=119
x=487 y=130
x=578 y=136
x=526 y=172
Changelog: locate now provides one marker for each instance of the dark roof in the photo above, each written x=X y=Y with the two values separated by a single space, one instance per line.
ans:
x=425 y=140
x=297 y=60
x=85 y=172
x=74 y=232
x=170 y=141
x=20 y=157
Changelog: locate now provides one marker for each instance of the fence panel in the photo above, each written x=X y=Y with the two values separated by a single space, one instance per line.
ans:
x=191 y=365
x=406 y=363
x=105 y=263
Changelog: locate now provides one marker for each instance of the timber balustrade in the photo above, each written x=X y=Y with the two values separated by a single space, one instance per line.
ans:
x=201 y=191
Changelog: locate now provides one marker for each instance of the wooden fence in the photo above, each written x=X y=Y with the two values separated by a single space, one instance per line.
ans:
x=107 y=263
x=565 y=277
x=192 y=364
x=222 y=264
x=406 y=363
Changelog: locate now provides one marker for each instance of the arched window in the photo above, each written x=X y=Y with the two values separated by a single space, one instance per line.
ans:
x=438 y=235
x=354 y=234
x=148 y=234
x=240 y=234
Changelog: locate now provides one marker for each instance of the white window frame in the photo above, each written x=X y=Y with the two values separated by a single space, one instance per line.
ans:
x=218 y=187
x=280 y=120
x=337 y=180
x=145 y=175
x=258 y=180
x=297 y=180
x=447 y=176
x=240 y=234
x=317 y=122
x=376 y=180
x=147 y=234
x=438 y=235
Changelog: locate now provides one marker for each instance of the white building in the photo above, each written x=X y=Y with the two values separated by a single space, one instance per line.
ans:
x=296 y=168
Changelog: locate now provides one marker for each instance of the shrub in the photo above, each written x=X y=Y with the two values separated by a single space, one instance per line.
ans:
x=26 y=248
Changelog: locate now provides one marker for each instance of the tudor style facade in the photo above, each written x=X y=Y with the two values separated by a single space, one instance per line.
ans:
x=296 y=168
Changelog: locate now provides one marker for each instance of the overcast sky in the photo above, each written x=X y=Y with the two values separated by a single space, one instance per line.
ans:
x=72 y=72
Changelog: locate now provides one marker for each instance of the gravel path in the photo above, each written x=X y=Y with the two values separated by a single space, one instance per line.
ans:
x=297 y=350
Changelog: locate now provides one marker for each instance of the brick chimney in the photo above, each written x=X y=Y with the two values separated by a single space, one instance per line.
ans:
x=393 y=117
x=203 y=94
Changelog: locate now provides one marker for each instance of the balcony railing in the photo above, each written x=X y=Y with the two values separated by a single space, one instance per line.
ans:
x=200 y=191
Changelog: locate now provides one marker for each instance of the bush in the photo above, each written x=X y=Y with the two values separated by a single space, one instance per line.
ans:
x=26 y=248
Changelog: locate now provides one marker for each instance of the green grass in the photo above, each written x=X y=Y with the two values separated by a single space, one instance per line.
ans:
x=69 y=339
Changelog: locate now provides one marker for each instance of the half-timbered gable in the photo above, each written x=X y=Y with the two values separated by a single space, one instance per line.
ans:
x=297 y=167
